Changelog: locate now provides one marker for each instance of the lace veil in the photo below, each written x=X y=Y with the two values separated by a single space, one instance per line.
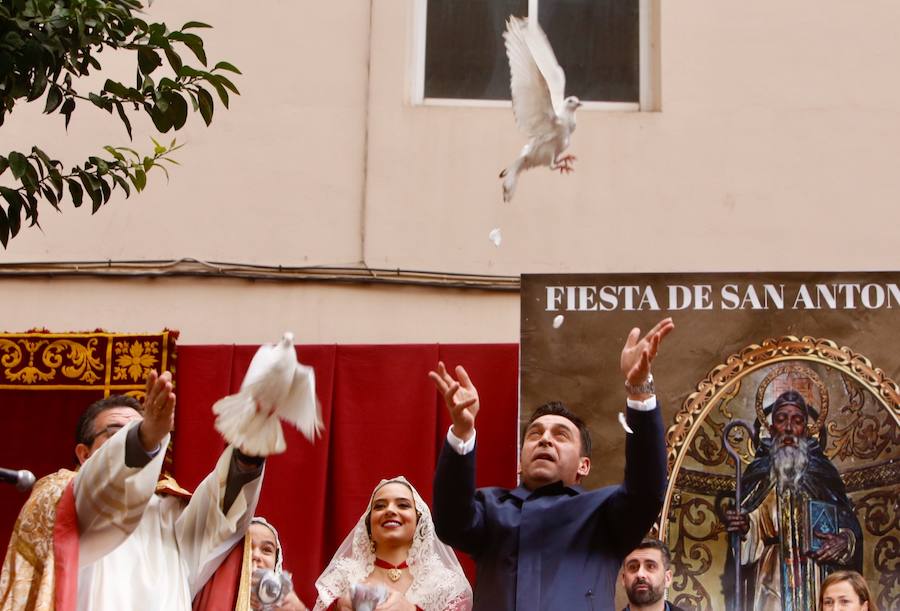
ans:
x=438 y=582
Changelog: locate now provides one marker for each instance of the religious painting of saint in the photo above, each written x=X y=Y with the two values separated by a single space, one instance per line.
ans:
x=785 y=467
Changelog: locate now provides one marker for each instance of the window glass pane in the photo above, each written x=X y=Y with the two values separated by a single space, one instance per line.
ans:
x=464 y=52
x=596 y=43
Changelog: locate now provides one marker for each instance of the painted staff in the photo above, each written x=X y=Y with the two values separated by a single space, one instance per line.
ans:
x=736 y=537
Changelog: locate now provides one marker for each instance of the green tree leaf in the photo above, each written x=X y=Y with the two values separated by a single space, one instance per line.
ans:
x=227 y=66
x=92 y=188
x=116 y=154
x=14 y=210
x=4 y=228
x=48 y=163
x=32 y=208
x=105 y=191
x=148 y=60
x=50 y=196
x=124 y=118
x=67 y=108
x=192 y=42
x=123 y=184
x=139 y=178
x=18 y=164
x=179 y=109
x=47 y=47
x=223 y=93
x=76 y=192
x=54 y=99
x=205 y=100
x=161 y=119
x=174 y=59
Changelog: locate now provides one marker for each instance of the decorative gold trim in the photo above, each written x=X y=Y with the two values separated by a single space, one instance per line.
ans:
x=243 y=597
x=863 y=478
x=709 y=484
x=108 y=380
x=875 y=476
x=165 y=353
x=127 y=389
x=755 y=356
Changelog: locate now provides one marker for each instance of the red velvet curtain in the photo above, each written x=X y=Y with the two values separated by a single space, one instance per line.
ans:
x=382 y=417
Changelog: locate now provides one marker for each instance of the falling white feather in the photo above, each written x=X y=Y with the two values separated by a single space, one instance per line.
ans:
x=276 y=386
x=538 y=86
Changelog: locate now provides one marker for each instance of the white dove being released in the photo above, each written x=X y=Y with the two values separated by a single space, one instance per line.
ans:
x=537 y=85
x=275 y=387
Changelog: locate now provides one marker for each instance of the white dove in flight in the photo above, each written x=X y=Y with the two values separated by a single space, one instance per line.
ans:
x=275 y=387
x=537 y=85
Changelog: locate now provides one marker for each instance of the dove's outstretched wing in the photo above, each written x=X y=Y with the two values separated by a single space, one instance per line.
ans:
x=543 y=55
x=537 y=81
x=301 y=407
x=264 y=359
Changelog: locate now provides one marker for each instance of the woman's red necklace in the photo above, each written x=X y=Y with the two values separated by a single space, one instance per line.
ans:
x=393 y=570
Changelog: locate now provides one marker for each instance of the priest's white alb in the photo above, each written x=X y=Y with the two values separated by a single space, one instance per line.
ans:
x=537 y=85
x=275 y=387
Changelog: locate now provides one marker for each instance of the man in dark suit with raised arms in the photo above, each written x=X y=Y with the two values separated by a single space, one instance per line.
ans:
x=550 y=544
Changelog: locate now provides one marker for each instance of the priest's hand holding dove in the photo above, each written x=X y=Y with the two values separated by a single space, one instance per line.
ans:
x=461 y=398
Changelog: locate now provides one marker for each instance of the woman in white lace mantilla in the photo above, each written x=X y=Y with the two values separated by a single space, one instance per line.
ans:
x=393 y=545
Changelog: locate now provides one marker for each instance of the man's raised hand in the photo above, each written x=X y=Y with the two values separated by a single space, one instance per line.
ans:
x=461 y=399
x=159 y=410
x=637 y=354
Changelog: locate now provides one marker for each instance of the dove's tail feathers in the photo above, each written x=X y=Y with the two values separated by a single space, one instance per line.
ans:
x=253 y=432
x=262 y=436
x=301 y=407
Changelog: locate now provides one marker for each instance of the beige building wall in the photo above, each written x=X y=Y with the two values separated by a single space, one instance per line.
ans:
x=776 y=148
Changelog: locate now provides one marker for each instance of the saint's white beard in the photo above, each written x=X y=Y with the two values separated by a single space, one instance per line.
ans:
x=789 y=463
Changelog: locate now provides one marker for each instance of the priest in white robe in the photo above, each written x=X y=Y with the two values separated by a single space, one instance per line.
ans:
x=142 y=551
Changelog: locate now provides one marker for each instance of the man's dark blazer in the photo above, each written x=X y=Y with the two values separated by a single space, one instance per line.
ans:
x=558 y=547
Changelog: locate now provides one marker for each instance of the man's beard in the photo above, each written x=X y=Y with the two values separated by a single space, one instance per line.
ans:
x=644 y=597
x=789 y=462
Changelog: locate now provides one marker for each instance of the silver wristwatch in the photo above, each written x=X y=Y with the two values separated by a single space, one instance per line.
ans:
x=647 y=387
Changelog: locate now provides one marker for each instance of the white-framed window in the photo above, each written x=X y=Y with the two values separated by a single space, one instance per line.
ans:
x=606 y=48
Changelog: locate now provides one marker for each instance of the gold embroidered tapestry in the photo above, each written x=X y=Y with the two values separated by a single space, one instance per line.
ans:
x=112 y=363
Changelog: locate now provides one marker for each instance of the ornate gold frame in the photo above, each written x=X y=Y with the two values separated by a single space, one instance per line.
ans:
x=755 y=356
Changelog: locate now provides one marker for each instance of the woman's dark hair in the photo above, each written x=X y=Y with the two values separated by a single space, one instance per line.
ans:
x=374 y=492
